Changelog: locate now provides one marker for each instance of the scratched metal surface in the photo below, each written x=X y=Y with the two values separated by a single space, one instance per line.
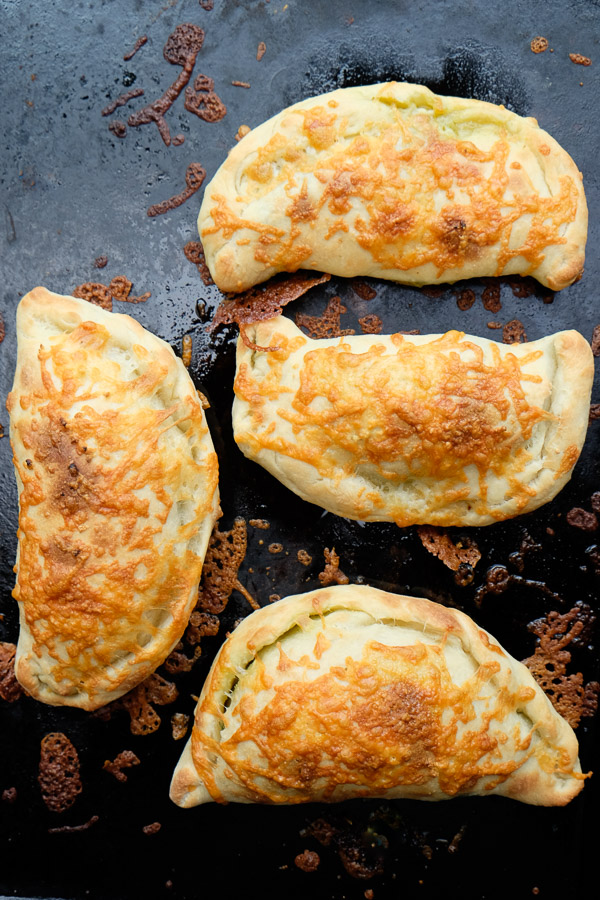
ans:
x=71 y=191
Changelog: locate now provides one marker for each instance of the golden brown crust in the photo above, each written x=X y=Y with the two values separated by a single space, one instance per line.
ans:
x=349 y=691
x=118 y=494
x=414 y=429
x=393 y=181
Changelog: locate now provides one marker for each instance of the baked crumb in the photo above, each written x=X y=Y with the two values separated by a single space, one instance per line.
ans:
x=275 y=548
x=308 y=861
x=261 y=50
x=370 y=324
x=154 y=828
x=194 y=251
x=260 y=523
x=59 y=777
x=580 y=60
x=194 y=179
x=179 y=725
x=186 y=350
x=327 y=325
x=568 y=694
x=453 y=555
x=539 y=44
x=514 y=332
x=242 y=131
x=124 y=760
x=332 y=574
x=304 y=557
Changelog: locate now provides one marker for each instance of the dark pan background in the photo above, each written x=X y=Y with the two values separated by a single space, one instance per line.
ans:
x=70 y=192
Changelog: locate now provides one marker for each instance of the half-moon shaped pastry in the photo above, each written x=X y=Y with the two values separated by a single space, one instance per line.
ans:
x=393 y=181
x=118 y=494
x=353 y=692
x=414 y=429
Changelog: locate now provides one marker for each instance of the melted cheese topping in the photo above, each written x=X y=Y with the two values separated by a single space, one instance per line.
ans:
x=347 y=705
x=118 y=487
x=392 y=180
x=407 y=429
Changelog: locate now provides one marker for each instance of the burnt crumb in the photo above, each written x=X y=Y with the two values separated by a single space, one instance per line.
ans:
x=308 y=861
x=194 y=251
x=361 y=856
x=364 y=290
x=225 y=554
x=10 y=689
x=331 y=574
x=265 y=301
x=138 y=44
x=580 y=60
x=207 y=4
x=177 y=661
x=100 y=262
x=433 y=291
x=140 y=702
x=528 y=545
x=491 y=298
x=514 y=332
x=464 y=574
x=121 y=101
x=202 y=100
x=260 y=523
x=594 y=412
x=118 y=128
x=370 y=324
x=595 y=501
x=581 y=518
x=124 y=760
x=539 y=44
x=179 y=726
x=153 y=828
x=454 y=843
x=452 y=554
x=522 y=286
x=9 y=795
x=368 y=895
x=58 y=776
x=261 y=50
x=201 y=624
x=304 y=557
x=194 y=178
x=327 y=325
x=595 y=342
x=98 y=294
x=465 y=299
x=67 y=829
x=2 y=329
x=181 y=49
x=568 y=694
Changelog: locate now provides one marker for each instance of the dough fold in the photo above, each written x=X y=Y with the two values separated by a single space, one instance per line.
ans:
x=392 y=181
x=415 y=429
x=349 y=692
x=118 y=494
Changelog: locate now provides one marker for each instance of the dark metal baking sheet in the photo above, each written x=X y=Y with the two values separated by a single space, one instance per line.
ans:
x=71 y=191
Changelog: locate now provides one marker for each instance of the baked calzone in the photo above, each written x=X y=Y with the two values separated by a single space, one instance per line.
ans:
x=118 y=494
x=349 y=692
x=393 y=181
x=414 y=429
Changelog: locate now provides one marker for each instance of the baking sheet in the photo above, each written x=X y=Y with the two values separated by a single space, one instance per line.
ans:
x=72 y=191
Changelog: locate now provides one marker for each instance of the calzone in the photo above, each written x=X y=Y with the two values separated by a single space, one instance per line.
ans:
x=415 y=429
x=350 y=692
x=118 y=493
x=393 y=181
